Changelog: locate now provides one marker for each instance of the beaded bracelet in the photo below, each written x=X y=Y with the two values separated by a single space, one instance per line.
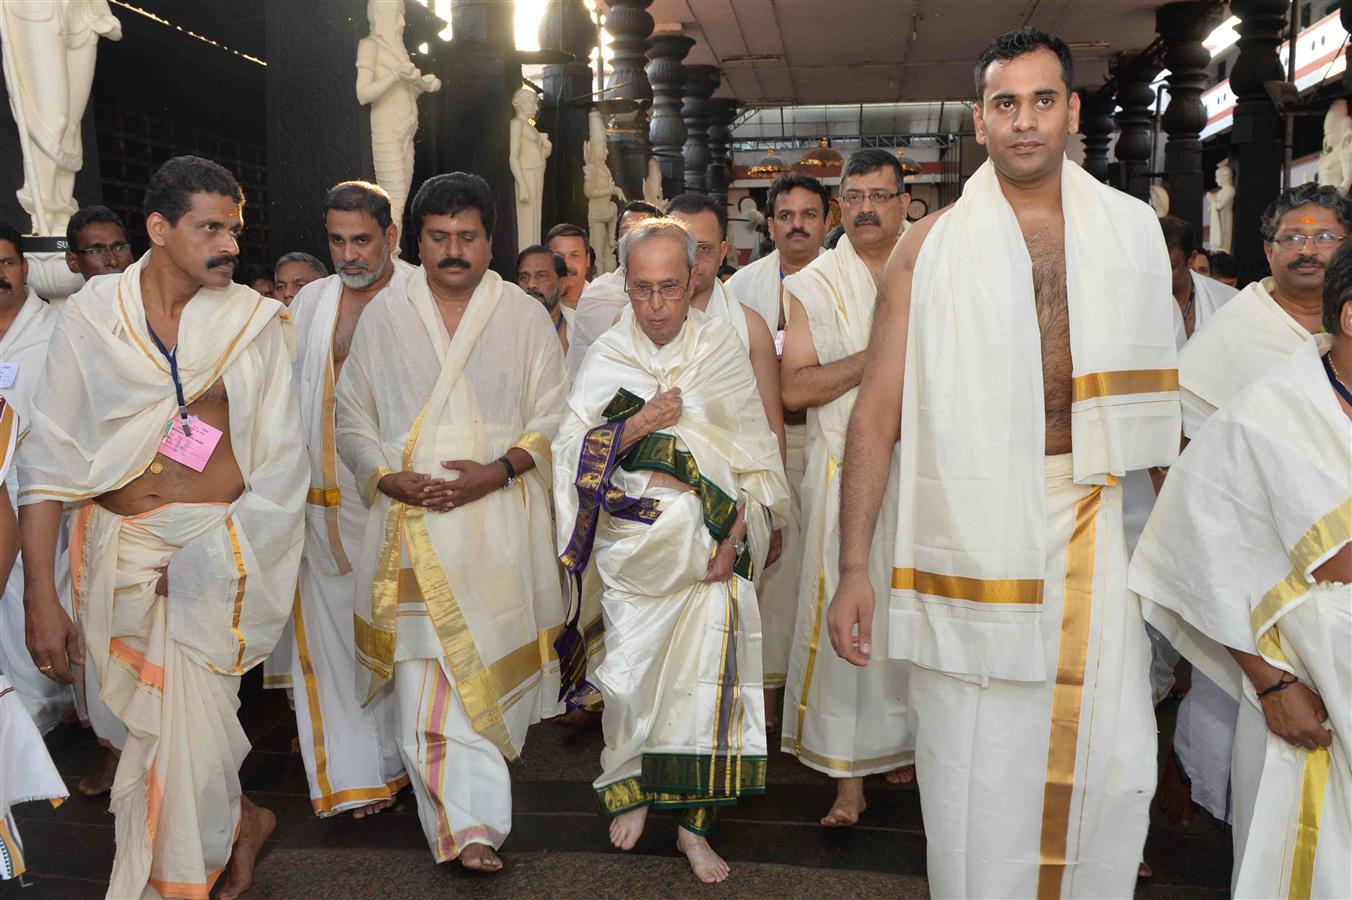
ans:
x=1281 y=685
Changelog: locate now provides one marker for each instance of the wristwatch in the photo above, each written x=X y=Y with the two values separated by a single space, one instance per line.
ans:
x=511 y=471
x=738 y=547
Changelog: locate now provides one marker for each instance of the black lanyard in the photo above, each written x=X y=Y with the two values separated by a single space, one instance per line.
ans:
x=173 y=373
x=1336 y=381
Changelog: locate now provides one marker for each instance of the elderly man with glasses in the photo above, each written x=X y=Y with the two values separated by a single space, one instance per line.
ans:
x=666 y=480
x=96 y=242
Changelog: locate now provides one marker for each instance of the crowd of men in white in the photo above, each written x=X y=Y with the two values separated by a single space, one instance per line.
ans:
x=881 y=497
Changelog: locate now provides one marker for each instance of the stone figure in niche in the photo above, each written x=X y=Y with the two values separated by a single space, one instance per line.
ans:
x=1222 y=202
x=527 y=153
x=652 y=184
x=49 y=49
x=601 y=191
x=1333 y=157
x=388 y=81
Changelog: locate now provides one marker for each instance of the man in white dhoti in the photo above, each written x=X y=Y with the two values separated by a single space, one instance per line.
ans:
x=26 y=323
x=351 y=754
x=1246 y=564
x=604 y=298
x=668 y=475
x=798 y=207
x=188 y=469
x=844 y=721
x=447 y=405
x=1023 y=351
x=1265 y=323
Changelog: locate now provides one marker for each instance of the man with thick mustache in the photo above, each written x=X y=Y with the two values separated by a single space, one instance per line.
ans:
x=351 y=753
x=446 y=408
x=540 y=273
x=166 y=413
x=1263 y=324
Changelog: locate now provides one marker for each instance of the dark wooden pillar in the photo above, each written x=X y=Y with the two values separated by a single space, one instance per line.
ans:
x=1184 y=26
x=1098 y=127
x=722 y=113
x=566 y=26
x=700 y=83
x=630 y=27
x=666 y=131
x=1258 y=138
x=1134 y=123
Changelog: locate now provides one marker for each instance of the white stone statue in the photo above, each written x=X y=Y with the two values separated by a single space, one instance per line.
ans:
x=527 y=153
x=388 y=81
x=1333 y=157
x=652 y=184
x=599 y=186
x=1222 y=202
x=49 y=49
x=1159 y=199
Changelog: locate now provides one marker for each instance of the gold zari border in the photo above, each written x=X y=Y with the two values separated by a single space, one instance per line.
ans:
x=1027 y=591
x=1126 y=381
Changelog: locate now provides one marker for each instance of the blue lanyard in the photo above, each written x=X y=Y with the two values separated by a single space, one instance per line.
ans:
x=173 y=373
x=1335 y=380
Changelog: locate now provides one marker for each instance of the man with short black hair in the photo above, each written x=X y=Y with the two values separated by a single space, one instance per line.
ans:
x=1198 y=297
x=1200 y=262
x=540 y=273
x=446 y=408
x=604 y=298
x=1025 y=364
x=167 y=401
x=96 y=242
x=294 y=271
x=1223 y=268
x=259 y=278
x=570 y=242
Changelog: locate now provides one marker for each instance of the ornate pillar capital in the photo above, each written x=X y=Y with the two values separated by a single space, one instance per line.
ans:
x=666 y=131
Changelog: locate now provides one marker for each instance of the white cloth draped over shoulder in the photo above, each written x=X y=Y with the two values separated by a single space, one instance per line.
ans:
x=1259 y=500
x=971 y=535
x=758 y=285
x=599 y=306
x=480 y=581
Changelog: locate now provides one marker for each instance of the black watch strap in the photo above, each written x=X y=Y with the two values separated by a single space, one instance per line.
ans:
x=511 y=469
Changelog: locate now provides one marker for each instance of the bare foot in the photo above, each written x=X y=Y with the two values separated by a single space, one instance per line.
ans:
x=255 y=826
x=901 y=775
x=709 y=866
x=1174 y=794
x=480 y=858
x=372 y=808
x=627 y=827
x=848 y=806
x=580 y=718
x=101 y=782
x=772 y=701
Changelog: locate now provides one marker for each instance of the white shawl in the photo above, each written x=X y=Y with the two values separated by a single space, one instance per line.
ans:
x=25 y=343
x=757 y=285
x=597 y=309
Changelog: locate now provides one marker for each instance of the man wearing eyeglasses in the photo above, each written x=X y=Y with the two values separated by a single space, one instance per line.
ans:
x=96 y=242
x=842 y=720
x=1265 y=323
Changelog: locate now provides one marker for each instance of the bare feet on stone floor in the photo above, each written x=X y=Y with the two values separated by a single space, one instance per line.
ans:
x=255 y=826
x=709 y=867
x=480 y=858
x=627 y=827
x=901 y=775
x=773 y=699
x=101 y=782
x=580 y=718
x=1174 y=794
x=849 y=804
x=370 y=809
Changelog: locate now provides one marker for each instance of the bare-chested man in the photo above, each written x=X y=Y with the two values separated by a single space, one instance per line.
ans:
x=1023 y=352
x=166 y=411
x=351 y=754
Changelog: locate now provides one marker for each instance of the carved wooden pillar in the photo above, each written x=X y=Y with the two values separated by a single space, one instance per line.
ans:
x=630 y=27
x=700 y=84
x=1184 y=26
x=1134 y=123
x=666 y=131
x=566 y=25
x=723 y=110
x=1097 y=126
x=1259 y=135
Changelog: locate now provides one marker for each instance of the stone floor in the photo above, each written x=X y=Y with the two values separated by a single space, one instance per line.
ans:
x=558 y=846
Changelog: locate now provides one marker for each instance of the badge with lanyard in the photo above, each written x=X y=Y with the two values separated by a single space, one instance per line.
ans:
x=188 y=440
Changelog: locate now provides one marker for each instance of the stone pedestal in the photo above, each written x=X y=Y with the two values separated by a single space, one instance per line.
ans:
x=700 y=83
x=1135 y=123
x=723 y=110
x=566 y=26
x=666 y=131
x=318 y=134
x=1184 y=26
x=630 y=26
x=1259 y=136
x=1098 y=127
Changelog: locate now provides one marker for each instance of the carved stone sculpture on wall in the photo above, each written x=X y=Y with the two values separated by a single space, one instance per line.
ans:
x=527 y=153
x=652 y=184
x=599 y=186
x=1222 y=202
x=388 y=81
x=1337 y=144
x=49 y=49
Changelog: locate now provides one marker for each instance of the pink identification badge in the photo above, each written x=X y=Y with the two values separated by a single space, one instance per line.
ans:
x=779 y=342
x=192 y=450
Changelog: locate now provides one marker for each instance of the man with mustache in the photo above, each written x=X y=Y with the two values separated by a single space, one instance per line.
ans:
x=1265 y=323
x=844 y=721
x=26 y=323
x=96 y=242
x=604 y=298
x=1022 y=351
x=294 y=271
x=351 y=753
x=446 y=408
x=166 y=412
x=797 y=221
x=570 y=242
x=540 y=273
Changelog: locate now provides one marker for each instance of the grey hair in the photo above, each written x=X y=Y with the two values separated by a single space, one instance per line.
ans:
x=301 y=257
x=650 y=229
x=1308 y=194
